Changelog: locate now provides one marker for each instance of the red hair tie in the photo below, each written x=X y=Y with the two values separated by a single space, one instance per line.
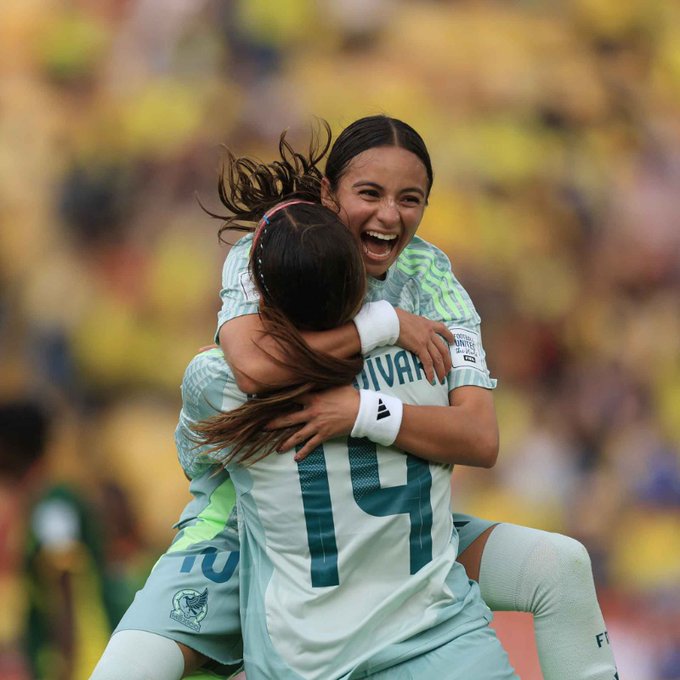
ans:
x=264 y=222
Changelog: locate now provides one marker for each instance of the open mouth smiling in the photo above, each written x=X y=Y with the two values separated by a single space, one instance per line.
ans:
x=378 y=246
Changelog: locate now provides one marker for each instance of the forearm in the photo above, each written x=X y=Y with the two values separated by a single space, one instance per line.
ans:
x=259 y=361
x=449 y=434
x=465 y=432
x=341 y=342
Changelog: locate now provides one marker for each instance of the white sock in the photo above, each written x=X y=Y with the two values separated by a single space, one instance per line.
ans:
x=549 y=575
x=139 y=655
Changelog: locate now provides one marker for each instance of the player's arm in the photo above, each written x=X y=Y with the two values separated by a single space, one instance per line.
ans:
x=468 y=434
x=258 y=362
x=463 y=433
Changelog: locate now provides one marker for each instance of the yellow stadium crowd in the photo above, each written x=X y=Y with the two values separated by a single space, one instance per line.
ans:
x=554 y=129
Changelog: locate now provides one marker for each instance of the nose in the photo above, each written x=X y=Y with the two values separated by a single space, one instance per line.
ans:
x=388 y=213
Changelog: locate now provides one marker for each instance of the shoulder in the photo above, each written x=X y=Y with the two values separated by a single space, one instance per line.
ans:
x=238 y=255
x=242 y=247
x=209 y=385
x=421 y=256
x=441 y=295
x=210 y=361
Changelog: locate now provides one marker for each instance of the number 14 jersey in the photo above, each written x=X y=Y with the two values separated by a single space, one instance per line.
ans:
x=347 y=560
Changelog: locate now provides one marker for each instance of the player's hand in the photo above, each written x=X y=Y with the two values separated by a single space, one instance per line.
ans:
x=324 y=415
x=428 y=340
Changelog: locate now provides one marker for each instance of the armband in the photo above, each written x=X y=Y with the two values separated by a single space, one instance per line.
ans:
x=379 y=417
x=377 y=324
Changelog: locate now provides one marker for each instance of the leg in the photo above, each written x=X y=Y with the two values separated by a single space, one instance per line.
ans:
x=471 y=557
x=549 y=575
x=193 y=660
x=138 y=655
x=188 y=610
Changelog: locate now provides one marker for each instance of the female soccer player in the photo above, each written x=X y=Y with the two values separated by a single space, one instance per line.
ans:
x=347 y=566
x=378 y=177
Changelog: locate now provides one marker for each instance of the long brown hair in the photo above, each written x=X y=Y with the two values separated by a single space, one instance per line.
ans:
x=247 y=187
x=309 y=272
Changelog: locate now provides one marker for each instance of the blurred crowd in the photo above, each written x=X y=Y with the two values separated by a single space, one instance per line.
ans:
x=554 y=129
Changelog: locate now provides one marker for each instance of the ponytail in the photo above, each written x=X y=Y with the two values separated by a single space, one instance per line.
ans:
x=247 y=188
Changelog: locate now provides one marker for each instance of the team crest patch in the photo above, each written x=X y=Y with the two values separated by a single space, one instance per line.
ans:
x=465 y=350
x=190 y=608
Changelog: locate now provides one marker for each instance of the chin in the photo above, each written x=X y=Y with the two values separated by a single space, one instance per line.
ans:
x=378 y=271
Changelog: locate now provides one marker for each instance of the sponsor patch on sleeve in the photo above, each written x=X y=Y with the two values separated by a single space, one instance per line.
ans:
x=466 y=349
x=248 y=287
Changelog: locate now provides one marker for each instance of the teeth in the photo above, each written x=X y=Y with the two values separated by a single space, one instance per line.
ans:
x=382 y=237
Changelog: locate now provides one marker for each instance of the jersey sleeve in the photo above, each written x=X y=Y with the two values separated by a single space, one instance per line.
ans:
x=208 y=388
x=441 y=297
x=468 y=359
x=238 y=294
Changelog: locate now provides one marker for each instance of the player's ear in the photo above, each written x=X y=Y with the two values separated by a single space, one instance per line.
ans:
x=328 y=200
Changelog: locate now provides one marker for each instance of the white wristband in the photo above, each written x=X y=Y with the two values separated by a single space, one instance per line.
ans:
x=377 y=324
x=379 y=417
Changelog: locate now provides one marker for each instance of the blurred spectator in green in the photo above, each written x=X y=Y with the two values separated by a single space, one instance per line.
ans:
x=59 y=537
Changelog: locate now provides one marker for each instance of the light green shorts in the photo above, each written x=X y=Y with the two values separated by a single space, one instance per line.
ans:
x=469 y=529
x=477 y=655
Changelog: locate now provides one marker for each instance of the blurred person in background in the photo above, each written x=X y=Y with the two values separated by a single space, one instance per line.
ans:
x=57 y=529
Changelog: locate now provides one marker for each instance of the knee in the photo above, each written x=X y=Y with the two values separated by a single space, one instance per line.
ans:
x=565 y=572
x=572 y=557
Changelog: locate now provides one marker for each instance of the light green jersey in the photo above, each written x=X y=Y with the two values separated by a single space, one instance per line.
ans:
x=420 y=282
x=347 y=562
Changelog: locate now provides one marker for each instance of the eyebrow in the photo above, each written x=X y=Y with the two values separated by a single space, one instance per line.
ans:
x=364 y=183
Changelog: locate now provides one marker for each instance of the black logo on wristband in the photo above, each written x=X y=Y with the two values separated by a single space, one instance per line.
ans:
x=383 y=411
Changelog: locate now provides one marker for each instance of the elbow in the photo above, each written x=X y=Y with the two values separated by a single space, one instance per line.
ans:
x=488 y=447
x=246 y=383
x=488 y=459
x=254 y=378
x=249 y=373
x=251 y=367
